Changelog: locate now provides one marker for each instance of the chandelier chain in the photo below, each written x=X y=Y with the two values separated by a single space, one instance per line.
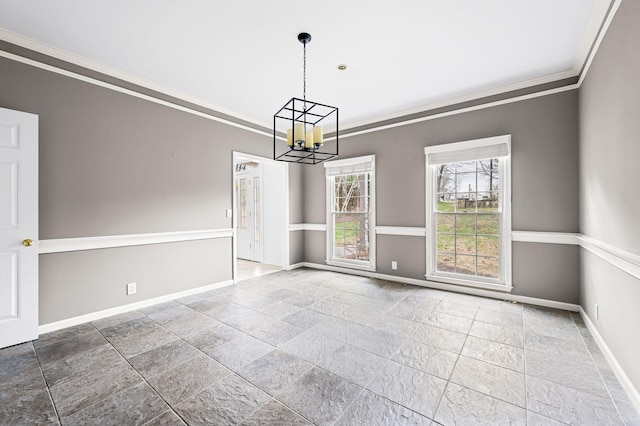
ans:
x=304 y=74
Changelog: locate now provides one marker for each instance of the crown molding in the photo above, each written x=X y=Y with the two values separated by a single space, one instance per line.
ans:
x=460 y=111
x=596 y=30
x=600 y=36
x=81 y=61
x=590 y=37
x=465 y=98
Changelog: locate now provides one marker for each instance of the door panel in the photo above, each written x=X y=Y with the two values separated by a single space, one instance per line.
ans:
x=8 y=286
x=18 y=227
x=249 y=231
x=8 y=194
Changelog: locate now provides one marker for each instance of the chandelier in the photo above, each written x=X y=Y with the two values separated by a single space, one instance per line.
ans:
x=300 y=119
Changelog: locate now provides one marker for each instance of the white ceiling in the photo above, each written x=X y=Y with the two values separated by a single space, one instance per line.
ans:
x=242 y=56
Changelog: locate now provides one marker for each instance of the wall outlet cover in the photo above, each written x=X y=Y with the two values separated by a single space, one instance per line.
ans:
x=394 y=265
x=131 y=288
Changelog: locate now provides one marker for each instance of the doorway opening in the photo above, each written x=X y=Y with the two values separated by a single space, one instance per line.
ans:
x=260 y=216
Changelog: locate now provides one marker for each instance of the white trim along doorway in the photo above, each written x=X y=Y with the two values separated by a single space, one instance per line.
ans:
x=264 y=215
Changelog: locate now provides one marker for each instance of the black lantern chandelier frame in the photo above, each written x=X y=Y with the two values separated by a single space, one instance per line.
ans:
x=303 y=145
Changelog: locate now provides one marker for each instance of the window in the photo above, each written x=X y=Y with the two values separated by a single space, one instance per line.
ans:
x=241 y=188
x=257 y=214
x=351 y=212
x=468 y=213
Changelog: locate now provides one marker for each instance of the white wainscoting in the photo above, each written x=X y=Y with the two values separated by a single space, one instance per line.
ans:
x=308 y=227
x=412 y=231
x=545 y=237
x=92 y=243
x=622 y=259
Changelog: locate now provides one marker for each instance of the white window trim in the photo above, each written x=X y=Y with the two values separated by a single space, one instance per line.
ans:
x=353 y=264
x=505 y=283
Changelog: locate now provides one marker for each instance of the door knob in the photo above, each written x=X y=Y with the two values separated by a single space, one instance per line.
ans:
x=27 y=242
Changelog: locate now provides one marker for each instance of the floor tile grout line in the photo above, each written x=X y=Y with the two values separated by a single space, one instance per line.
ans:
x=46 y=385
x=388 y=359
x=597 y=369
x=435 y=412
x=142 y=377
x=591 y=364
x=179 y=364
x=126 y=360
x=313 y=365
x=162 y=414
x=111 y=395
x=213 y=384
x=363 y=388
x=274 y=397
x=557 y=383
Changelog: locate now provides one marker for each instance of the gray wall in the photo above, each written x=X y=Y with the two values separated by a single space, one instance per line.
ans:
x=609 y=182
x=544 y=178
x=114 y=164
x=82 y=282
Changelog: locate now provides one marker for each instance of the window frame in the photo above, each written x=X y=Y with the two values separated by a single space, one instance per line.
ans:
x=359 y=165
x=504 y=283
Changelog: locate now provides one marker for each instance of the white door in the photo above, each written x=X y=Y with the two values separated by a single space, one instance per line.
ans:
x=249 y=210
x=18 y=227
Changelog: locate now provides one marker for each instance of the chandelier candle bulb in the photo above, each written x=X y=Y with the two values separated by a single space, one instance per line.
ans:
x=317 y=135
x=289 y=137
x=309 y=140
x=299 y=133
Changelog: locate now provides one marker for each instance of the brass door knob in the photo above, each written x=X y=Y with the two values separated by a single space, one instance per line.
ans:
x=27 y=243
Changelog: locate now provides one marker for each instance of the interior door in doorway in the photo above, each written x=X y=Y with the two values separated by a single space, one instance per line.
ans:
x=18 y=227
x=249 y=232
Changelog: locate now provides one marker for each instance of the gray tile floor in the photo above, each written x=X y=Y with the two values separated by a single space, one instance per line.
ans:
x=314 y=347
x=249 y=269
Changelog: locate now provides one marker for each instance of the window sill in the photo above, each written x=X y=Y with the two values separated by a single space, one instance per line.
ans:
x=470 y=283
x=351 y=265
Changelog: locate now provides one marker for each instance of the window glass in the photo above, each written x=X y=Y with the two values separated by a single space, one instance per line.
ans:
x=350 y=211
x=467 y=218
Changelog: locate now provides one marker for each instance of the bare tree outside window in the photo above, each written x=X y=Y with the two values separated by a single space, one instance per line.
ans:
x=468 y=218
x=351 y=207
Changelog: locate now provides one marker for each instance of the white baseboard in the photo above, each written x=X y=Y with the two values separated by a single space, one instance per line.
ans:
x=295 y=266
x=93 y=316
x=632 y=392
x=448 y=287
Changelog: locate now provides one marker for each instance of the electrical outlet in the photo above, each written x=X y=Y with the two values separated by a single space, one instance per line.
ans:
x=229 y=213
x=597 y=313
x=394 y=265
x=131 y=288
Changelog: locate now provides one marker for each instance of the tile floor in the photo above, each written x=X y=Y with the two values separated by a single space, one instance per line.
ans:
x=313 y=347
x=249 y=269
